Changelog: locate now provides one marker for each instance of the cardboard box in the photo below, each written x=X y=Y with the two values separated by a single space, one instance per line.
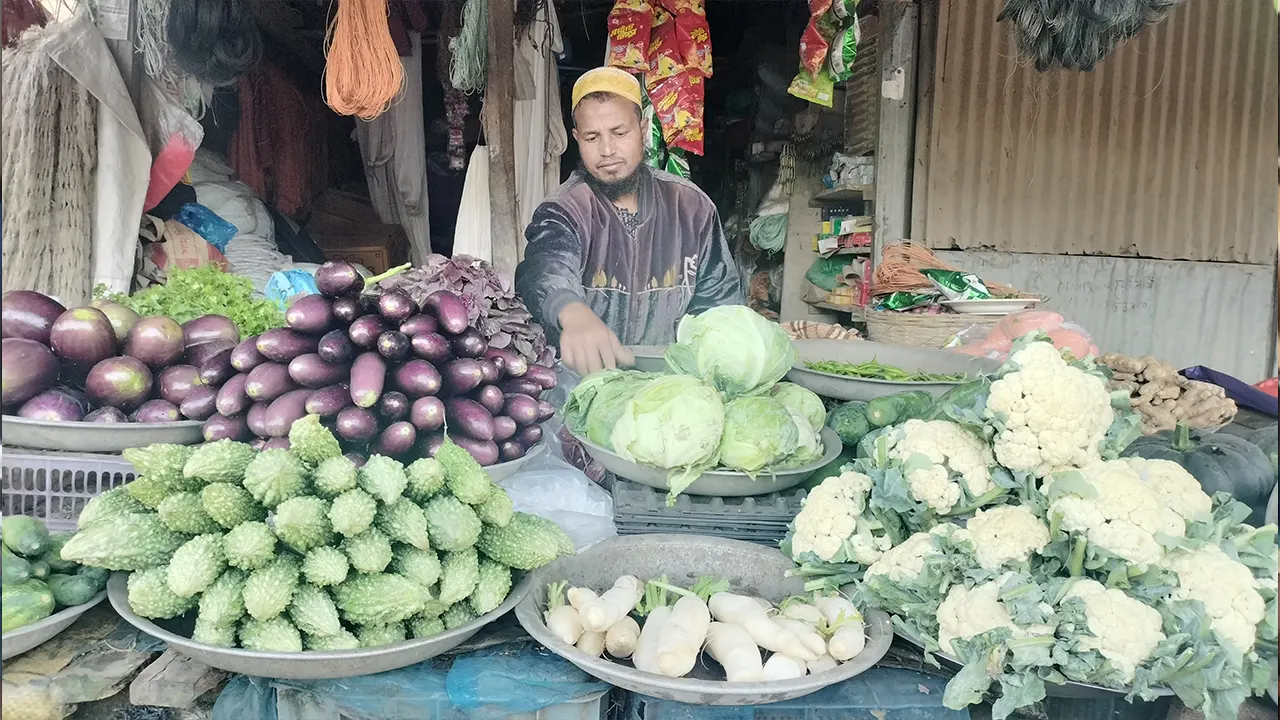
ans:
x=378 y=247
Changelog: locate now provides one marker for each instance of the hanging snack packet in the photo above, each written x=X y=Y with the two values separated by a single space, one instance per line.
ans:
x=630 y=24
x=678 y=102
x=693 y=34
x=819 y=89
x=815 y=41
x=677 y=164
x=902 y=300
x=665 y=58
x=957 y=285
x=844 y=49
x=653 y=147
x=844 y=10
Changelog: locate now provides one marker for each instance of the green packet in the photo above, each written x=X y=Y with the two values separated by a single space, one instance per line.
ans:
x=677 y=164
x=957 y=284
x=844 y=50
x=902 y=300
x=818 y=89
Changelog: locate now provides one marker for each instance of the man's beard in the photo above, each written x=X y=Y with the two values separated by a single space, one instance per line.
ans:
x=614 y=189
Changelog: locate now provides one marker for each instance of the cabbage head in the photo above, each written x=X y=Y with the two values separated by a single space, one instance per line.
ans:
x=803 y=401
x=809 y=448
x=733 y=349
x=758 y=433
x=673 y=422
x=595 y=405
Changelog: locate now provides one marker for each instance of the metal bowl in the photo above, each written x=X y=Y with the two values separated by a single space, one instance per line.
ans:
x=649 y=358
x=96 y=437
x=860 y=351
x=722 y=483
x=16 y=642
x=310 y=665
x=750 y=569
x=502 y=471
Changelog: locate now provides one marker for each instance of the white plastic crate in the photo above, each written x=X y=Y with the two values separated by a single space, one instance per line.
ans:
x=55 y=486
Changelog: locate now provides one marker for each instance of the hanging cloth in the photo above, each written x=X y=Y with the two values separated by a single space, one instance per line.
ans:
x=473 y=235
x=541 y=137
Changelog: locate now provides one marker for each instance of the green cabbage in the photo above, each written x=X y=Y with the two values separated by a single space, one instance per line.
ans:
x=733 y=349
x=809 y=448
x=801 y=400
x=674 y=422
x=596 y=403
x=758 y=432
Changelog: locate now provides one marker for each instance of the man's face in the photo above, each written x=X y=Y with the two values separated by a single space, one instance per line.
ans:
x=610 y=142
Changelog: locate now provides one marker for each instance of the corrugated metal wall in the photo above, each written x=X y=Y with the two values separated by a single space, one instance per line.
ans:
x=1167 y=150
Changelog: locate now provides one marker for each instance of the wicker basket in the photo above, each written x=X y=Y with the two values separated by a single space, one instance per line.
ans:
x=919 y=330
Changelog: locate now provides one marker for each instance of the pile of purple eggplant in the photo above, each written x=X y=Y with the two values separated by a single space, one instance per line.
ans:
x=103 y=363
x=387 y=375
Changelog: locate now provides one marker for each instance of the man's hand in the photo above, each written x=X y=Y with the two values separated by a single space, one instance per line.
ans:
x=587 y=344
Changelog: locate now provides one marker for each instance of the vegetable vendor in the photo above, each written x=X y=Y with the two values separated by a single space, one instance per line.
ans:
x=620 y=252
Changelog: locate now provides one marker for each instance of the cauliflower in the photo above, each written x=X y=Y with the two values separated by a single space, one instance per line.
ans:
x=831 y=521
x=967 y=612
x=952 y=451
x=1177 y=488
x=1124 y=630
x=1227 y=589
x=1052 y=415
x=1005 y=534
x=1110 y=504
x=904 y=561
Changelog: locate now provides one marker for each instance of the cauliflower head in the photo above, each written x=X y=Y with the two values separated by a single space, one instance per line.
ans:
x=905 y=561
x=1227 y=589
x=955 y=455
x=1110 y=504
x=970 y=611
x=830 y=515
x=1124 y=630
x=1053 y=415
x=1006 y=534
x=1177 y=488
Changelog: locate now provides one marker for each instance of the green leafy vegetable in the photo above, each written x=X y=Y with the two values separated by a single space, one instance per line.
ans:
x=191 y=293
x=875 y=370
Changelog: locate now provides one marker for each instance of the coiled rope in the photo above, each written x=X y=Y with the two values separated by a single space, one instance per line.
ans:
x=362 y=72
x=470 y=49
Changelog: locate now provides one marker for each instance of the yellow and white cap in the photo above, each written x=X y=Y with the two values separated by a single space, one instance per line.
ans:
x=610 y=80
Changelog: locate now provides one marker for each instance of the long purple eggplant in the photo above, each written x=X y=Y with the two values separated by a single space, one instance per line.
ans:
x=284 y=344
x=232 y=399
x=470 y=418
x=217 y=369
x=368 y=376
x=284 y=410
x=461 y=376
x=450 y=310
x=311 y=371
x=417 y=378
x=200 y=403
x=484 y=451
x=329 y=401
x=431 y=346
x=256 y=417
x=223 y=427
x=311 y=314
x=522 y=385
x=419 y=324
x=268 y=381
x=245 y=356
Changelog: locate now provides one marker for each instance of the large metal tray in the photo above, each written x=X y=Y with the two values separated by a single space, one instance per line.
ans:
x=860 y=351
x=28 y=637
x=311 y=665
x=750 y=569
x=723 y=483
x=95 y=437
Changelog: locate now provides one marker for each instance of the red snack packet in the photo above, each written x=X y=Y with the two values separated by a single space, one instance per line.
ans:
x=678 y=102
x=815 y=42
x=665 y=58
x=630 y=24
x=693 y=34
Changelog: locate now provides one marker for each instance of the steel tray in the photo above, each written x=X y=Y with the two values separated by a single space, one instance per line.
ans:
x=28 y=637
x=502 y=471
x=860 y=351
x=96 y=437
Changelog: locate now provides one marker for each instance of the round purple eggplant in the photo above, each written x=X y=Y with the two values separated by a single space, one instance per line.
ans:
x=55 y=405
x=120 y=382
x=504 y=428
x=510 y=451
x=490 y=396
x=429 y=445
x=108 y=416
x=82 y=337
x=157 y=341
x=311 y=371
x=122 y=319
x=432 y=347
x=393 y=406
x=543 y=375
x=338 y=277
x=521 y=408
x=396 y=439
x=200 y=403
x=469 y=343
x=512 y=364
x=284 y=344
x=356 y=424
x=222 y=427
x=461 y=376
x=201 y=353
x=310 y=314
x=177 y=381
x=521 y=385
x=418 y=324
x=393 y=345
x=29 y=368
x=328 y=401
x=365 y=330
x=217 y=369
x=28 y=315
x=356 y=459
x=427 y=413
x=336 y=347
x=396 y=306
x=255 y=417
x=245 y=356
x=417 y=378
x=469 y=417
x=277 y=443
x=546 y=411
x=529 y=436
x=346 y=309
x=484 y=451
x=368 y=378
x=449 y=310
x=157 y=411
x=208 y=328
x=284 y=410
x=267 y=382
x=489 y=371
x=232 y=399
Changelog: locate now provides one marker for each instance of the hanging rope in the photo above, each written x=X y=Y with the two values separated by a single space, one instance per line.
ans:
x=362 y=72
x=470 y=49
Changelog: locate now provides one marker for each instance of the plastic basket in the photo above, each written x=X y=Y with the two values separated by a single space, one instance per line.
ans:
x=919 y=330
x=55 y=486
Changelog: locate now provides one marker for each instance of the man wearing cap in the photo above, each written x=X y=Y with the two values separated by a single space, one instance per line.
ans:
x=620 y=252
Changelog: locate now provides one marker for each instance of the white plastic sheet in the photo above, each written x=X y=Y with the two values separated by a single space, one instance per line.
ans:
x=473 y=233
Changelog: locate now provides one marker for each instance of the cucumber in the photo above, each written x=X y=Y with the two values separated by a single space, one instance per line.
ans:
x=72 y=590
x=24 y=535
x=898 y=408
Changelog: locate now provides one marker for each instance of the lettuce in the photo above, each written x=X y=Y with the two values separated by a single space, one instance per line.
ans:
x=733 y=349
x=675 y=423
x=758 y=433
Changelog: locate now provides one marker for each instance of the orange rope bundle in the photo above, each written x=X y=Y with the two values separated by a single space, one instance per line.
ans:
x=899 y=270
x=362 y=73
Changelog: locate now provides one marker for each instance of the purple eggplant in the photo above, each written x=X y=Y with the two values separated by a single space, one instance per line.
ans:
x=121 y=382
x=284 y=344
x=419 y=324
x=257 y=417
x=336 y=347
x=327 y=402
x=449 y=310
x=156 y=341
x=156 y=411
x=427 y=414
x=232 y=399
x=356 y=459
x=245 y=356
x=429 y=445
x=469 y=343
x=28 y=315
x=393 y=406
x=122 y=319
x=396 y=439
x=109 y=416
x=512 y=364
x=489 y=371
x=417 y=378
x=504 y=428
x=83 y=337
x=364 y=332
x=357 y=425
x=311 y=371
x=284 y=410
x=484 y=451
x=521 y=385
x=217 y=369
x=222 y=427
x=29 y=368
x=277 y=443
x=368 y=376
x=55 y=405
x=510 y=451
x=470 y=418
x=543 y=375
x=200 y=403
x=393 y=345
x=346 y=309
x=432 y=347
x=529 y=436
x=267 y=382
x=396 y=306
x=545 y=411
x=490 y=396
x=338 y=277
x=312 y=314
x=521 y=408
x=461 y=376
x=177 y=381
x=208 y=328
x=201 y=353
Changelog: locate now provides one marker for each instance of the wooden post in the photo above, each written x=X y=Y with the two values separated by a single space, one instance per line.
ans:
x=895 y=151
x=499 y=124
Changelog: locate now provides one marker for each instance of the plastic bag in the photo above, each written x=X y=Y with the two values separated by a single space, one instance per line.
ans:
x=502 y=681
x=769 y=232
x=473 y=234
x=996 y=341
x=285 y=285
x=826 y=272
x=217 y=231
x=551 y=488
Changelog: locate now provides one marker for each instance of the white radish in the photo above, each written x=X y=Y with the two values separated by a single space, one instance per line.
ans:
x=682 y=636
x=604 y=612
x=782 y=667
x=579 y=596
x=733 y=648
x=763 y=603
x=562 y=620
x=797 y=608
x=645 y=657
x=591 y=643
x=846 y=627
x=812 y=641
x=744 y=612
x=822 y=664
x=620 y=640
